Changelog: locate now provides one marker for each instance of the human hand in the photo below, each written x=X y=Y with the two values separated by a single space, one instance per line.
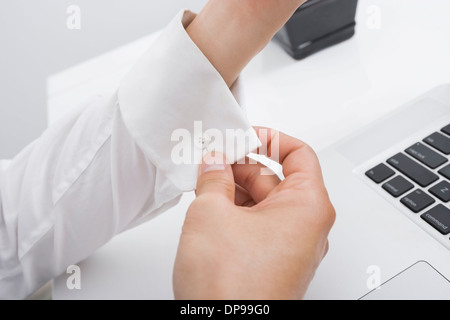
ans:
x=231 y=32
x=250 y=236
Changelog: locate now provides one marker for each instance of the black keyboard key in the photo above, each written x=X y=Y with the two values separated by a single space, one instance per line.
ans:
x=413 y=170
x=380 y=173
x=439 y=141
x=441 y=191
x=445 y=172
x=446 y=130
x=417 y=201
x=438 y=218
x=427 y=156
x=398 y=186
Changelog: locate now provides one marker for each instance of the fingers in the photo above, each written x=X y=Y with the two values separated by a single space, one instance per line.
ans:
x=243 y=198
x=294 y=155
x=250 y=177
x=216 y=177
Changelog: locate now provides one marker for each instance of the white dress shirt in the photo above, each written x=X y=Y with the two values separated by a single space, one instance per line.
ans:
x=109 y=166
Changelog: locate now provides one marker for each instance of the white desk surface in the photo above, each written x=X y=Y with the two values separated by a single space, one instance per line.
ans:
x=319 y=100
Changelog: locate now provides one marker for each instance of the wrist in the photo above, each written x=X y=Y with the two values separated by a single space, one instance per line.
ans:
x=229 y=36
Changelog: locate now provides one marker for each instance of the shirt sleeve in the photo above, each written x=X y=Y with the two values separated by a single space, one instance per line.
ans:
x=116 y=162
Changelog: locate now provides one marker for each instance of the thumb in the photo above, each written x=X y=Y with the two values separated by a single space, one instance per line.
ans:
x=216 y=176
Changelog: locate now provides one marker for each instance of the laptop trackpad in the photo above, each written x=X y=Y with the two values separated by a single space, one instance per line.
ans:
x=419 y=282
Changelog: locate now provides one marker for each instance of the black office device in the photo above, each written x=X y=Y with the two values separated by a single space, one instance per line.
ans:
x=316 y=25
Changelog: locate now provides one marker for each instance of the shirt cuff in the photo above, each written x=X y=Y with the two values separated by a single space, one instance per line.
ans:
x=177 y=107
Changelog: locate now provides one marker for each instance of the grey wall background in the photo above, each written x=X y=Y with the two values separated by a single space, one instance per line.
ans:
x=35 y=43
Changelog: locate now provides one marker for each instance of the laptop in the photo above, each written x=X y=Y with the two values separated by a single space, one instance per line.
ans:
x=390 y=184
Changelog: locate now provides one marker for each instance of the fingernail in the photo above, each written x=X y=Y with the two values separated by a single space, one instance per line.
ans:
x=213 y=162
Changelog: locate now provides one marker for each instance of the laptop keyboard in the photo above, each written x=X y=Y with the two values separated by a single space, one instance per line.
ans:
x=426 y=163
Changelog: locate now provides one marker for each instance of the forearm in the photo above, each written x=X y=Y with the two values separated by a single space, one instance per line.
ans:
x=231 y=32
